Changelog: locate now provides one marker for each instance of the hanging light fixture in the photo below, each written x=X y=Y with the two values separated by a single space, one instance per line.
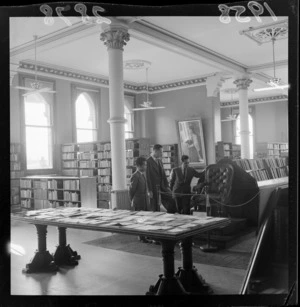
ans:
x=35 y=85
x=274 y=83
x=147 y=105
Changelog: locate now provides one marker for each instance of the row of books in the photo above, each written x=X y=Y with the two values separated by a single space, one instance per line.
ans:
x=15 y=147
x=130 y=161
x=26 y=193
x=105 y=163
x=104 y=179
x=39 y=184
x=275 y=162
x=69 y=156
x=168 y=147
x=166 y=160
x=277 y=146
x=15 y=199
x=14 y=157
x=25 y=183
x=259 y=175
x=16 y=174
x=69 y=148
x=86 y=172
x=73 y=196
x=167 y=166
x=104 y=155
x=104 y=171
x=86 y=147
x=40 y=194
x=103 y=147
x=71 y=184
x=86 y=155
x=104 y=188
x=88 y=164
x=167 y=154
x=52 y=195
x=70 y=164
x=279 y=172
x=70 y=172
x=15 y=166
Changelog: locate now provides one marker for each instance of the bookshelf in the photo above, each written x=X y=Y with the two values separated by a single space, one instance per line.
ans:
x=265 y=168
x=16 y=171
x=93 y=159
x=170 y=157
x=41 y=192
x=227 y=150
x=271 y=150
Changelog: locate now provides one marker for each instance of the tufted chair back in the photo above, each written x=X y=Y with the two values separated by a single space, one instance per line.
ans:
x=219 y=178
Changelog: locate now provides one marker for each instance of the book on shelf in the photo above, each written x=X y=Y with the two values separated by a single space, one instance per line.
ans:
x=69 y=148
x=69 y=156
x=86 y=147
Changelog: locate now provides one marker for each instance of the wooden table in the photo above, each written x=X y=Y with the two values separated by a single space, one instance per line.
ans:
x=163 y=227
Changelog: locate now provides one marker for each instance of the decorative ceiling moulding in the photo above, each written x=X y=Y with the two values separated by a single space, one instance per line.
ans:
x=265 y=33
x=96 y=80
x=258 y=100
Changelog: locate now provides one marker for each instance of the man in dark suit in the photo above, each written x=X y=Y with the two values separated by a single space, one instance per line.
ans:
x=156 y=178
x=180 y=183
x=138 y=189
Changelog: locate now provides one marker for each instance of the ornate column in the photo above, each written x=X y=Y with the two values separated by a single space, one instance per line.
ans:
x=115 y=37
x=242 y=85
x=213 y=135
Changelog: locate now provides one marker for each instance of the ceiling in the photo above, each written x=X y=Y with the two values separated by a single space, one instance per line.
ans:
x=79 y=48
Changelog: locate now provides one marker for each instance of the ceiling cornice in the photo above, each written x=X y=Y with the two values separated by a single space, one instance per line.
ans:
x=266 y=66
x=257 y=100
x=70 y=74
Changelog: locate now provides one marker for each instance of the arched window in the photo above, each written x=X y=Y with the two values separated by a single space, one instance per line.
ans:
x=129 y=125
x=38 y=132
x=238 y=135
x=86 y=130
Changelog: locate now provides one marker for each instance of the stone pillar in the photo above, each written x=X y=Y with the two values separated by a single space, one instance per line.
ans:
x=213 y=85
x=242 y=85
x=115 y=37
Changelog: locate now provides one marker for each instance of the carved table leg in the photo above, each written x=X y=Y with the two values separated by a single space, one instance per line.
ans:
x=168 y=283
x=64 y=255
x=42 y=261
x=188 y=276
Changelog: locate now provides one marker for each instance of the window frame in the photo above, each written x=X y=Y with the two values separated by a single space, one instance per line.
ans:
x=21 y=81
x=129 y=103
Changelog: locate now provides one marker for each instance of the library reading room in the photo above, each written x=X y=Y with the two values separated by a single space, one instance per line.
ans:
x=149 y=158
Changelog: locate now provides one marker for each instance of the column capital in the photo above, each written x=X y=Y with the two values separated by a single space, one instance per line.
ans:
x=243 y=83
x=115 y=37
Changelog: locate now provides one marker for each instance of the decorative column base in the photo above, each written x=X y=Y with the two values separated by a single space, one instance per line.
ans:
x=193 y=282
x=168 y=283
x=64 y=255
x=41 y=262
x=167 y=286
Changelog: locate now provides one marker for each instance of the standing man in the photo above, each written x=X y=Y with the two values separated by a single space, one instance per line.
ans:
x=180 y=183
x=156 y=176
x=138 y=190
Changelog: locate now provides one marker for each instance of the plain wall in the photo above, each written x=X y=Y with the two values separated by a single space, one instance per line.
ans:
x=184 y=104
x=270 y=123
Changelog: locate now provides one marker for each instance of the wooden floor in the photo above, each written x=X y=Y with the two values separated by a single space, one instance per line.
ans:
x=100 y=271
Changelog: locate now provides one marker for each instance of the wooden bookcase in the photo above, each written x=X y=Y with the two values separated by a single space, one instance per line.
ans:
x=170 y=157
x=93 y=159
x=265 y=168
x=271 y=150
x=41 y=192
x=227 y=150
x=16 y=171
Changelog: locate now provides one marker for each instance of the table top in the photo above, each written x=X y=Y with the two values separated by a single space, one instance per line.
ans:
x=158 y=225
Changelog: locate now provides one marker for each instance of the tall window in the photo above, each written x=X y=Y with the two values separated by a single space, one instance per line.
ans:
x=129 y=125
x=238 y=135
x=38 y=132
x=86 y=130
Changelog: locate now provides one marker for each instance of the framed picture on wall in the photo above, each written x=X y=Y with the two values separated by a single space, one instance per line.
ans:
x=191 y=141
